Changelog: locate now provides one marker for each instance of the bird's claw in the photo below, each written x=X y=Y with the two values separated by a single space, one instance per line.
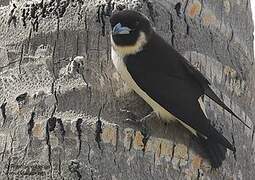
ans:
x=129 y=114
x=142 y=120
x=135 y=121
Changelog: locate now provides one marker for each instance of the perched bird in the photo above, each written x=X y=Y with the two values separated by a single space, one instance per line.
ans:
x=165 y=80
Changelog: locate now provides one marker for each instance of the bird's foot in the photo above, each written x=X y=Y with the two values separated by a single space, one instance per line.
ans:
x=144 y=119
x=145 y=130
x=131 y=115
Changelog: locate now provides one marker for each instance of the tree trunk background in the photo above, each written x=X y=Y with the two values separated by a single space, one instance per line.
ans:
x=50 y=104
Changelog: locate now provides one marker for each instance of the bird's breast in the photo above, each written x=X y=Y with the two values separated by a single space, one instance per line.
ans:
x=125 y=75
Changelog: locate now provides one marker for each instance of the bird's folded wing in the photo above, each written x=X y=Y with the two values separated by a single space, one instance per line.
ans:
x=179 y=98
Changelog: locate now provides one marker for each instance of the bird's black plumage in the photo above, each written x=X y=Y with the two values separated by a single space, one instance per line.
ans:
x=163 y=76
x=168 y=78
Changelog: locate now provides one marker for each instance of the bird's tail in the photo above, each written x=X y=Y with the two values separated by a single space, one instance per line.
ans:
x=215 y=150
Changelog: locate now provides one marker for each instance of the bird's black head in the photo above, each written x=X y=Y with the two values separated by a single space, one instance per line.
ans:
x=128 y=26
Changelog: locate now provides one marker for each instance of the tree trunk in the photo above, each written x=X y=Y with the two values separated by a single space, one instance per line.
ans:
x=57 y=84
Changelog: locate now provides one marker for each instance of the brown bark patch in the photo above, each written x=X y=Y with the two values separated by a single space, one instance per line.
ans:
x=194 y=9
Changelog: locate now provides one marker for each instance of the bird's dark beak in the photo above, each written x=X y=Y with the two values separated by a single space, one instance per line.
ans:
x=119 y=29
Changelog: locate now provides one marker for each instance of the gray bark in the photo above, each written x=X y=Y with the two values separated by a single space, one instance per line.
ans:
x=50 y=105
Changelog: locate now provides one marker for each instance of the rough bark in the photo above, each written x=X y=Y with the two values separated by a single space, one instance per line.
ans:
x=52 y=106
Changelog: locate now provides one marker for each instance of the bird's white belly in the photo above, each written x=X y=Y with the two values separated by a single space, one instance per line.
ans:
x=125 y=75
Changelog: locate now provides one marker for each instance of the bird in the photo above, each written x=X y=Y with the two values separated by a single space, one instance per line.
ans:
x=165 y=80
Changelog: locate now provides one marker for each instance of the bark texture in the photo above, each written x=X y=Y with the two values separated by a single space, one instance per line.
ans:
x=61 y=97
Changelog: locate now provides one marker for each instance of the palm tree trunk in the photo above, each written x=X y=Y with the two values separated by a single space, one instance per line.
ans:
x=61 y=98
